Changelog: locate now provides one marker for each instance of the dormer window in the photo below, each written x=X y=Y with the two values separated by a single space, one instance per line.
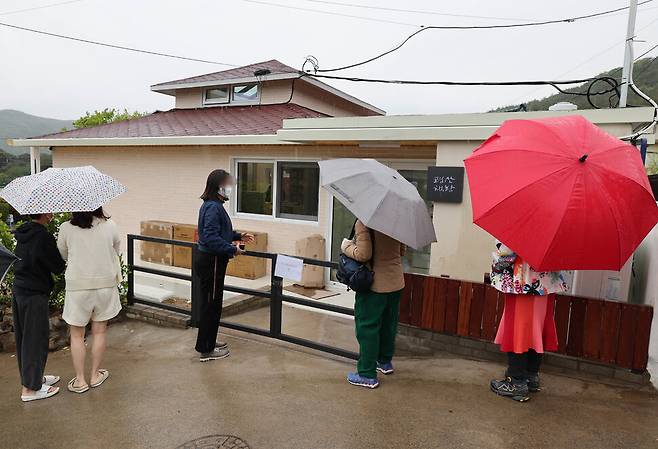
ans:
x=216 y=95
x=248 y=93
x=245 y=93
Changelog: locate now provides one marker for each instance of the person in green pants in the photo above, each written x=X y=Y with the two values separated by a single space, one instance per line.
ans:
x=376 y=312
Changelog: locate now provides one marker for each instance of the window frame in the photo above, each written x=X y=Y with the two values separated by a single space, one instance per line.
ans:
x=242 y=101
x=273 y=217
x=206 y=101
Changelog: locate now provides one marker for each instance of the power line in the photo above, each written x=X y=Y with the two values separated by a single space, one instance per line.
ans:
x=582 y=63
x=52 y=5
x=118 y=47
x=331 y=13
x=553 y=83
x=414 y=11
x=420 y=11
x=469 y=27
x=647 y=52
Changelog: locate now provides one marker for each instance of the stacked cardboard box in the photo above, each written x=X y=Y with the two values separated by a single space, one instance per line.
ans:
x=182 y=254
x=157 y=252
x=248 y=267
x=311 y=247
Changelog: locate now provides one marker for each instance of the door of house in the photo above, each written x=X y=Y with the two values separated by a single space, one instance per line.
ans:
x=414 y=261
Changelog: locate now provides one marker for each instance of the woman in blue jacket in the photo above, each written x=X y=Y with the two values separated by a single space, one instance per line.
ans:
x=216 y=247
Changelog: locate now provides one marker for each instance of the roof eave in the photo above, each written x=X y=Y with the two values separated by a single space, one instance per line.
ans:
x=169 y=88
x=246 y=139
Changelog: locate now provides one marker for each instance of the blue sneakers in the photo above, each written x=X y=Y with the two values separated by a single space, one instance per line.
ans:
x=385 y=368
x=360 y=381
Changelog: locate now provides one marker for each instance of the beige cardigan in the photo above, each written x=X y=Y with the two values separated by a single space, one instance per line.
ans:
x=92 y=255
x=386 y=262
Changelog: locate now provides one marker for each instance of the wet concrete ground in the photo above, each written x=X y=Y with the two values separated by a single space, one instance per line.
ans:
x=275 y=396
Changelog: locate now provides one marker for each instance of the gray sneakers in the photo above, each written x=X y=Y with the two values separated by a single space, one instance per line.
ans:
x=216 y=354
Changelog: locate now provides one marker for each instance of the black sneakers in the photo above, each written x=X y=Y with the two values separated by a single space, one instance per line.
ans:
x=533 y=383
x=510 y=388
x=216 y=354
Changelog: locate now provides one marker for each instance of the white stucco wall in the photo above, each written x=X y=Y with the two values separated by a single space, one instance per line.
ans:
x=164 y=183
x=647 y=293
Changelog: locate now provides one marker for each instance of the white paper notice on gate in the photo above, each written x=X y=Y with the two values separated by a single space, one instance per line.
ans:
x=289 y=267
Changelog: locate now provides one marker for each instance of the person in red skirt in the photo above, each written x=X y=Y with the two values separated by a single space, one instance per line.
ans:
x=527 y=327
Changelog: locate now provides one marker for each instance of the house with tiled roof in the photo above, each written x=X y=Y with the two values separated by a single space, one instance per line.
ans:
x=269 y=124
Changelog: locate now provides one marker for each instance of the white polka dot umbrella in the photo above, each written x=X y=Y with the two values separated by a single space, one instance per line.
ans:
x=73 y=189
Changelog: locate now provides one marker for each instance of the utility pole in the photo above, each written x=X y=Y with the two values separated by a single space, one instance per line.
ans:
x=627 y=73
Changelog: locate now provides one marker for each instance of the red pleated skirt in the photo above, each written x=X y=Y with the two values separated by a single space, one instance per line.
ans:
x=527 y=323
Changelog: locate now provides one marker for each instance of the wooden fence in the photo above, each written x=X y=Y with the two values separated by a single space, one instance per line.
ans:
x=605 y=331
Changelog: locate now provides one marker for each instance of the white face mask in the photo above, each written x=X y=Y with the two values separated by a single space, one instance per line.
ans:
x=225 y=191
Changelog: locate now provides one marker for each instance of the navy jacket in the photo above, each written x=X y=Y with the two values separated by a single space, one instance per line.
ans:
x=216 y=230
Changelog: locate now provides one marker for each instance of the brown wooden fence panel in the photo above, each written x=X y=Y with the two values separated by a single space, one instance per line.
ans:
x=592 y=331
x=500 y=309
x=477 y=307
x=489 y=310
x=642 y=333
x=428 y=302
x=452 y=305
x=405 y=300
x=626 y=348
x=562 y=311
x=602 y=330
x=416 y=307
x=576 y=327
x=465 y=298
x=440 y=302
x=610 y=331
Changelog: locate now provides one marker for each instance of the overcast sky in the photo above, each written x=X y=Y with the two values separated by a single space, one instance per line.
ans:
x=51 y=77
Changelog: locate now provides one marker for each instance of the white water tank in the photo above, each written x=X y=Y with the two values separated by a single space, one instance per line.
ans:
x=563 y=106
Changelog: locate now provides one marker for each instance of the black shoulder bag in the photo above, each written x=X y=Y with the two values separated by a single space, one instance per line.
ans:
x=356 y=275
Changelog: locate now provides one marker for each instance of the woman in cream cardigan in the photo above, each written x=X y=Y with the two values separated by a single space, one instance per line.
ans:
x=90 y=244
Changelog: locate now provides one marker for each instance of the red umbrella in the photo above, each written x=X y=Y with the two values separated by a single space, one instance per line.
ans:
x=562 y=193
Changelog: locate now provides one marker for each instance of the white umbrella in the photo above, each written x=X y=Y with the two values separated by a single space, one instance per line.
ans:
x=76 y=189
x=381 y=198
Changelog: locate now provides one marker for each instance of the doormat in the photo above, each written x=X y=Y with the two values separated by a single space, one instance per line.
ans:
x=216 y=442
x=313 y=293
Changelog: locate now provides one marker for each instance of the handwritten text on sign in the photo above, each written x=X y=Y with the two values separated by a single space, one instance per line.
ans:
x=445 y=184
x=289 y=267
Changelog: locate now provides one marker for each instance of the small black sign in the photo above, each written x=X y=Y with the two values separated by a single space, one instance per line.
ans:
x=445 y=184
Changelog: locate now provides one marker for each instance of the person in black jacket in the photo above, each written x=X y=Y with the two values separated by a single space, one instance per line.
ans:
x=33 y=282
x=215 y=245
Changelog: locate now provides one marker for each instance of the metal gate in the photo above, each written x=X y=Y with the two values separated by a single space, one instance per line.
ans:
x=275 y=295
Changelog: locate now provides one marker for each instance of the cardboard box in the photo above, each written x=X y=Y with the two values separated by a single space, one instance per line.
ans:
x=248 y=267
x=182 y=254
x=157 y=252
x=312 y=247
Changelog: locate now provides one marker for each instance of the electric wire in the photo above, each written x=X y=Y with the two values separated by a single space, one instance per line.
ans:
x=35 y=8
x=115 y=46
x=414 y=11
x=317 y=69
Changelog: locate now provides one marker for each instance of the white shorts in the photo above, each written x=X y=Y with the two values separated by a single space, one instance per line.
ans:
x=82 y=306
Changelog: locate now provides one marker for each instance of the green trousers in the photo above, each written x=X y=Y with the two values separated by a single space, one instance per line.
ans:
x=376 y=318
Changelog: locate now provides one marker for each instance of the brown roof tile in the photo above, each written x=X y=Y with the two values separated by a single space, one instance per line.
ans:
x=274 y=66
x=214 y=121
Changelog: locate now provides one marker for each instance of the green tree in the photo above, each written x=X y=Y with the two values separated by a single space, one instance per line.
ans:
x=107 y=115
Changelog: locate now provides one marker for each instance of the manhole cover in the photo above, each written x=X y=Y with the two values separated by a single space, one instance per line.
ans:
x=216 y=442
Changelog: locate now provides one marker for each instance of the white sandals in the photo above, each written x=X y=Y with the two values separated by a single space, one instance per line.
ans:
x=43 y=393
x=73 y=389
x=50 y=380
x=104 y=375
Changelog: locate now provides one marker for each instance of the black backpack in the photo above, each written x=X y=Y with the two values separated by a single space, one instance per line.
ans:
x=356 y=275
